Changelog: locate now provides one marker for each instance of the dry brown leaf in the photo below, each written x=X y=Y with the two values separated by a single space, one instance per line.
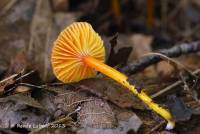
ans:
x=68 y=101
x=24 y=100
x=112 y=91
x=18 y=109
x=127 y=121
x=119 y=51
x=96 y=114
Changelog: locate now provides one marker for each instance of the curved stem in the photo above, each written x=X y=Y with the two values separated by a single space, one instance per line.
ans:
x=122 y=79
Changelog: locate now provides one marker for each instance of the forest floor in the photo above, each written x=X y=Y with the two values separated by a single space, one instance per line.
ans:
x=155 y=43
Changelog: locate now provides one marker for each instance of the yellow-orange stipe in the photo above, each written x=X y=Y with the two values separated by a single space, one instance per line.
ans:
x=78 y=53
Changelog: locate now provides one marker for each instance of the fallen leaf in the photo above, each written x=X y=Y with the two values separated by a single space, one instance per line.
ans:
x=22 y=100
x=46 y=99
x=112 y=91
x=124 y=126
x=96 y=114
x=178 y=109
x=14 y=111
x=117 y=54
x=68 y=101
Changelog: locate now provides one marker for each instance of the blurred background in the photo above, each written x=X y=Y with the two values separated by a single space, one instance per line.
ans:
x=29 y=27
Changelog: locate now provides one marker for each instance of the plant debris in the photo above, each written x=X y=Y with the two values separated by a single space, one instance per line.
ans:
x=172 y=52
x=156 y=43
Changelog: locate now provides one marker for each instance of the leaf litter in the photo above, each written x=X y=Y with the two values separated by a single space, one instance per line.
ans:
x=29 y=39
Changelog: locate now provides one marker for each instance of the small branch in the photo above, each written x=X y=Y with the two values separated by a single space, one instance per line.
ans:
x=25 y=75
x=156 y=127
x=171 y=61
x=30 y=85
x=172 y=86
x=175 y=51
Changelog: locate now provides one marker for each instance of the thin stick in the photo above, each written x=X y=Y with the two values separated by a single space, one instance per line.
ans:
x=30 y=85
x=25 y=75
x=156 y=127
x=8 y=78
x=175 y=51
x=172 y=86
x=170 y=60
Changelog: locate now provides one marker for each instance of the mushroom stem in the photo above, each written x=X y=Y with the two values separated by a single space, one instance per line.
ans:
x=122 y=79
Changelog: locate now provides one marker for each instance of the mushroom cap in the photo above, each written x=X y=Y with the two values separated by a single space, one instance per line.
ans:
x=74 y=43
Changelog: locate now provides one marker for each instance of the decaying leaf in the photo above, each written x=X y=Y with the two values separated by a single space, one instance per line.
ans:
x=22 y=100
x=117 y=52
x=110 y=90
x=17 y=110
x=67 y=102
x=96 y=114
x=179 y=110
x=127 y=121
x=46 y=99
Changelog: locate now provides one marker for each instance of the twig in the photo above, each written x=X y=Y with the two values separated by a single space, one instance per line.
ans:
x=75 y=111
x=156 y=127
x=172 y=86
x=78 y=102
x=175 y=51
x=25 y=75
x=16 y=78
x=170 y=60
x=12 y=77
x=8 y=78
x=173 y=62
x=29 y=85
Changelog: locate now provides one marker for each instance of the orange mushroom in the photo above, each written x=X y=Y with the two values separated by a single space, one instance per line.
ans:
x=78 y=53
